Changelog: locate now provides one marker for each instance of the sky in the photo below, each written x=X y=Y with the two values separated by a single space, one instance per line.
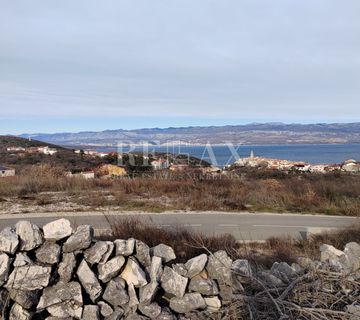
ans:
x=94 y=65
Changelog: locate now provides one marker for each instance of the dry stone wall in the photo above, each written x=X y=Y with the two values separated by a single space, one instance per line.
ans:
x=61 y=272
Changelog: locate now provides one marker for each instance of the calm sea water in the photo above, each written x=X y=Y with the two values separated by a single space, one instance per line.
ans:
x=222 y=155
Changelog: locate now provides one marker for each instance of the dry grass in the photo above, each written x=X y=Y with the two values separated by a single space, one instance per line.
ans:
x=185 y=242
x=315 y=294
x=188 y=243
x=336 y=194
x=288 y=248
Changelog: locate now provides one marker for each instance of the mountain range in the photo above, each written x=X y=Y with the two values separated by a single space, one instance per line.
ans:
x=248 y=134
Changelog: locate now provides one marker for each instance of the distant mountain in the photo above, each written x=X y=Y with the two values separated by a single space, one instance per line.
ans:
x=249 y=134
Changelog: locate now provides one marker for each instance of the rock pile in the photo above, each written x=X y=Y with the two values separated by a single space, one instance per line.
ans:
x=59 y=272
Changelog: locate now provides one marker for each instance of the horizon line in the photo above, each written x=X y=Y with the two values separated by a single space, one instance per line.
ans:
x=185 y=127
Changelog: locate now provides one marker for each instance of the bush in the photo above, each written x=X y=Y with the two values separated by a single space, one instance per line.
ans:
x=185 y=242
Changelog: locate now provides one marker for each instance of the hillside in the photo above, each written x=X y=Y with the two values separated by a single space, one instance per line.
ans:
x=12 y=141
x=250 y=134
x=64 y=157
x=69 y=160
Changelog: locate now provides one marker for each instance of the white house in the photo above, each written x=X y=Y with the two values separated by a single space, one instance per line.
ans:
x=15 y=149
x=160 y=164
x=302 y=166
x=46 y=150
x=102 y=154
x=351 y=166
x=6 y=172
x=318 y=168
x=92 y=153
x=84 y=174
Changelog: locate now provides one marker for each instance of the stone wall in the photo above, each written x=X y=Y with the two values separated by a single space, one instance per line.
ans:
x=58 y=272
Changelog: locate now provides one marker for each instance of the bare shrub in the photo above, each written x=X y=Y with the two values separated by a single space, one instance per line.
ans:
x=262 y=190
x=185 y=242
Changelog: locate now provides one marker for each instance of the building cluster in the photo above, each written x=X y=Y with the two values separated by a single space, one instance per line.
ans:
x=165 y=164
x=93 y=153
x=7 y=172
x=44 y=149
x=102 y=171
x=286 y=165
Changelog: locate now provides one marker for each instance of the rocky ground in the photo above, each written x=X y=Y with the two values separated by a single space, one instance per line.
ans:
x=85 y=201
x=61 y=272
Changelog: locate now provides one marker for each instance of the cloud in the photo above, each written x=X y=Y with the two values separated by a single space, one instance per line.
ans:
x=183 y=58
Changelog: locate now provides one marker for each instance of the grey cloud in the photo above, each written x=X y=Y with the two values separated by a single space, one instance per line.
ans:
x=203 y=58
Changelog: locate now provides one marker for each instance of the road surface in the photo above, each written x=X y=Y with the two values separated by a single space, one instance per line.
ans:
x=243 y=226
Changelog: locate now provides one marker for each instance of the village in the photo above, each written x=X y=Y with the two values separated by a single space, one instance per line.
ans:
x=253 y=161
x=113 y=164
x=173 y=163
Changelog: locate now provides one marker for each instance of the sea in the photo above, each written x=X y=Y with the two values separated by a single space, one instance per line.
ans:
x=222 y=155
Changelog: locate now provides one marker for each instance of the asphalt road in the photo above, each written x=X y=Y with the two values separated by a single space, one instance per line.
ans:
x=244 y=226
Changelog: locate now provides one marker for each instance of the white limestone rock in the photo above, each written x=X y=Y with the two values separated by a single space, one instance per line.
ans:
x=17 y=312
x=5 y=262
x=57 y=230
x=173 y=283
x=163 y=251
x=219 y=267
x=99 y=252
x=152 y=310
x=180 y=269
x=283 y=271
x=143 y=253
x=188 y=303
x=33 y=277
x=105 y=309
x=133 y=298
x=60 y=293
x=330 y=252
x=22 y=259
x=148 y=292
x=9 y=241
x=133 y=274
x=134 y=316
x=196 y=265
x=354 y=311
x=242 y=268
x=66 y=310
x=110 y=269
x=166 y=314
x=334 y=257
x=27 y=299
x=116 y=315
x=270 y=279
x=4 y=296
x=156 y=269
x=352 y=253
x=89 y=281
x=81 y=239
x=213 y=304
x=66 y=267
x=115 y=293
x=207 y=286
x=91 y=312
x=124 y=247
x=48 y=252
x=29 y=234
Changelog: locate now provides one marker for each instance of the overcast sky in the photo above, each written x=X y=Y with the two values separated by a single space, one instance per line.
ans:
x=91 y=65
